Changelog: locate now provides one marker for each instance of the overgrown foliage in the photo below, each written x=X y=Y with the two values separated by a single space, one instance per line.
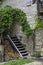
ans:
x=38 y=23
x=5 y=18
x=18 y=62
x=20 y=16
x=8 y=16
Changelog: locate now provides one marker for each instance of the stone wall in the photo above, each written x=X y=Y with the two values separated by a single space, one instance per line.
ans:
x=10 y=53
x=31 y=12
x=7 y=52
x=1 y=52
x=0 y=39
x=39 y=41
x=27 y=41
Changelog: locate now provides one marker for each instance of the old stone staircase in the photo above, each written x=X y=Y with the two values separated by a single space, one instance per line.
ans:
x=18 y=46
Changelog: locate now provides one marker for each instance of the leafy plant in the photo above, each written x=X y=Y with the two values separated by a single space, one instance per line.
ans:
x=8 y=16
x=5 y=18
x=38 y=23
x=21 y=18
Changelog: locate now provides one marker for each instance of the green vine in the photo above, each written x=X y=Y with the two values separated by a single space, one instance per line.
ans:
x=8 y=16
x=5 y=18
x=38 y=23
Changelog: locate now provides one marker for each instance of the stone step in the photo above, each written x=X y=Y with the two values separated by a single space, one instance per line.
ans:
x=24 y=51
x=24 y=54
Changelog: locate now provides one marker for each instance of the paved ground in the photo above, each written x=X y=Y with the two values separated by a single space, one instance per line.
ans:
x=34 y=63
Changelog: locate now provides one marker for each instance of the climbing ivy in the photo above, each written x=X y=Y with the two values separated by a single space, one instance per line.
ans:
x=38 y=23
x=5 y=18
x=20 y=16
x=8 y=16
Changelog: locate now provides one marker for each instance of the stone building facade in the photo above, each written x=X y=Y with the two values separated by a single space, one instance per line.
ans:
x=39 y=41
x=31 y=13
x=21 y=4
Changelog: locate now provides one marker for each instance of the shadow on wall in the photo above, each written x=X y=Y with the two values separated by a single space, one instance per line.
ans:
x=34 y=1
